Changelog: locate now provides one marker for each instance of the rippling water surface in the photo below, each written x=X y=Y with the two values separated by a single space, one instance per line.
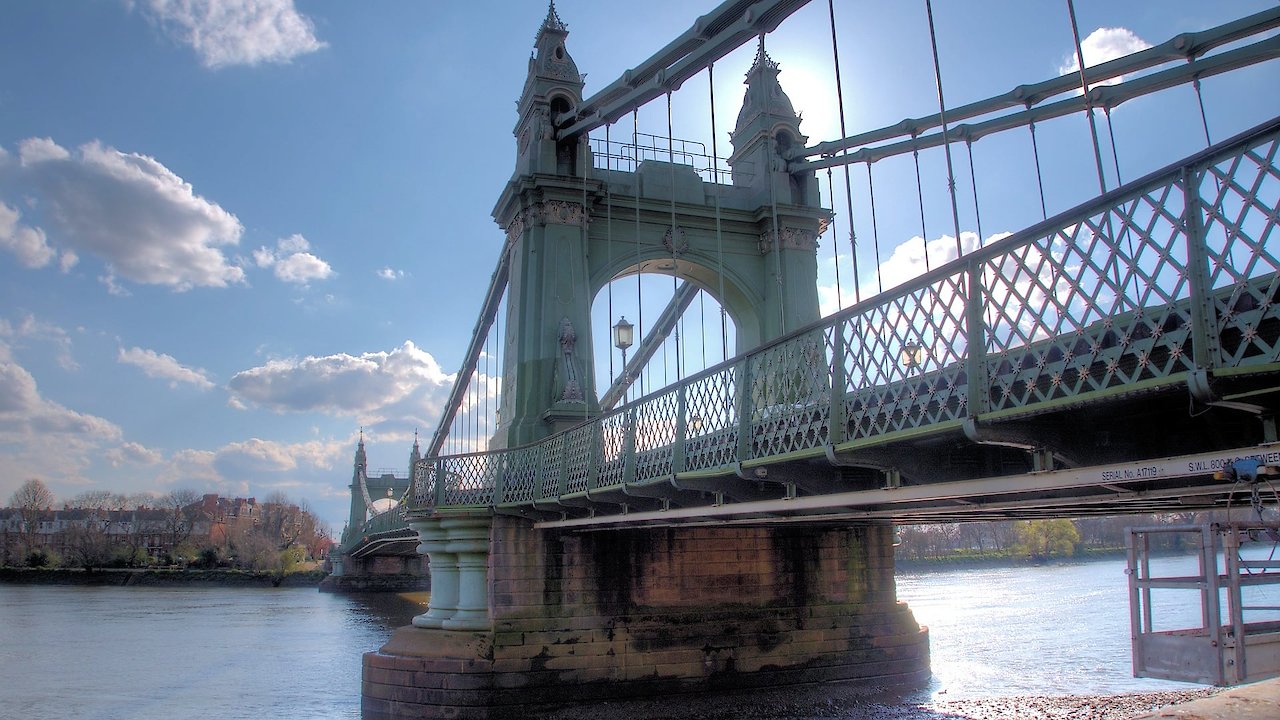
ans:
x=77 y=653
x=72 y=653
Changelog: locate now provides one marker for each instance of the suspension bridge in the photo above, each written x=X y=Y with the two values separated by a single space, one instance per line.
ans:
x=1121 y=355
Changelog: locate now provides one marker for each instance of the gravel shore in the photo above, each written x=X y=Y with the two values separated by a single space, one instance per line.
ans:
x=851 y=703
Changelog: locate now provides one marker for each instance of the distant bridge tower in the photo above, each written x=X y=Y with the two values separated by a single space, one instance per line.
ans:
x=359 y=507
x=572 y=229
x=368 y=492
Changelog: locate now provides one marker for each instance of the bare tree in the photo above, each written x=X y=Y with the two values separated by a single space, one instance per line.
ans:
x=99 y=500
x=180 y=511
x=30 y=499
x=281 y=520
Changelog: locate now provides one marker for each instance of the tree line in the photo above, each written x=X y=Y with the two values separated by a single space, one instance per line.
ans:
x=101 y=528
x=1043 y=539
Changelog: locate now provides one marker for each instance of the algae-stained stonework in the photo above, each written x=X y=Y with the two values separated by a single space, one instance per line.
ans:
x=589 y=616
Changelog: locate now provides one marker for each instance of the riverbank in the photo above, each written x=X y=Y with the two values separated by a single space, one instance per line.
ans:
x=154 y=577
x=851 y=702
x=1001 y=560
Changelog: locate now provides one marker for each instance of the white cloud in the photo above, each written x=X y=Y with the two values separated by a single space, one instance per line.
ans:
x=164 y=367
x=33 y=151
x=237 y=32
x=291 y=263
x=1102 y=45
x=144 y=221
x=387 y=273
x=25 y=414
x=131 y=453
x=405 y=386
x=29 y=328
x=295 y=243
x=28 y=244
x=301 y=268
x=255 y=457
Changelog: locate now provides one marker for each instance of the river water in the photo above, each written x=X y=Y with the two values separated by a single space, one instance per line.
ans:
x=125 y=653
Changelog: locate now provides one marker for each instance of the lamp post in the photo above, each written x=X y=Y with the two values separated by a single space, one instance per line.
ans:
x=912 y=354
x=623 y=337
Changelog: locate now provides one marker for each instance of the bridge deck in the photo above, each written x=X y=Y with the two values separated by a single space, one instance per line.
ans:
x=1131 y=329
x=1125 y=347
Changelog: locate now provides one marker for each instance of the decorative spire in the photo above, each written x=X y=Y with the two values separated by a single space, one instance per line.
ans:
x=415 y=439
x=361 y=437
x=553 y=21
x=762 y=59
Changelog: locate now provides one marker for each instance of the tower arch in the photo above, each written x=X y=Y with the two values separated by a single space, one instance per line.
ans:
x=573 y=228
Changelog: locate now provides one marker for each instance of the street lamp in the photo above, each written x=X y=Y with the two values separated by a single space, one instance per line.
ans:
x=623 y=337
x=912 y=354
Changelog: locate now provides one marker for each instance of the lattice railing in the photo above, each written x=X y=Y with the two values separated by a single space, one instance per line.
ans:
x=1176 y=272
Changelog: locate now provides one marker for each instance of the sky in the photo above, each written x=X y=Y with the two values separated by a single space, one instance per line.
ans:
x=234 y=233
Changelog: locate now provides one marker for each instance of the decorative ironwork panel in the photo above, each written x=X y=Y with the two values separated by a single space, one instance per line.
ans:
x=468 y=479
x=520 y=476
x=551 y=465
x=424 y=484
x=579 y=456
x=613 y=446
x=1095 y=304
x=903 y=359
x=790 y=396
x=1242 y=207
x=655 y=435
x=711 y=429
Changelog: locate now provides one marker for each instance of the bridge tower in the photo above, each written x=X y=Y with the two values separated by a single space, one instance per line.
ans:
x=520 y=614
x=572 y=228
x=359 y=509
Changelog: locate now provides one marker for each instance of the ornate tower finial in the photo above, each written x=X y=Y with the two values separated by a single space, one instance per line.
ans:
x=762 y=59
x=553 y=21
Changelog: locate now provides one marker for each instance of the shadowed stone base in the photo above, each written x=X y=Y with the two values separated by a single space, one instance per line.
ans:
x=431 y=674
x=631 y=613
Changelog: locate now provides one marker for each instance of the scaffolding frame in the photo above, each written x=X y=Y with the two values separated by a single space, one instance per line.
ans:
x=1219 y=652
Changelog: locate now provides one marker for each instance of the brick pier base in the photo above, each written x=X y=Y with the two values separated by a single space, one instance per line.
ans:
x=579 y=617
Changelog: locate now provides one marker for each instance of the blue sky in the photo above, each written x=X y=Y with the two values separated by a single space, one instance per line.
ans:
x=231 y=234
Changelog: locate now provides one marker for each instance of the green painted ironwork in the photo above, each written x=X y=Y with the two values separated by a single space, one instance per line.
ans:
x=1173 y=274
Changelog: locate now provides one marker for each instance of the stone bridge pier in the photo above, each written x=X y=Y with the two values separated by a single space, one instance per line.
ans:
x=522 y=616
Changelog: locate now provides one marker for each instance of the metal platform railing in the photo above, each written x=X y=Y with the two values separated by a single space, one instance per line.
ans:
x=1234 y=641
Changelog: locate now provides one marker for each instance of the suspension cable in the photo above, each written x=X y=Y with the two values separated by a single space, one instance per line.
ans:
x=875 y=229
x=487 y=378
x=499 y=342
x=635 y=148
x=702 y=315
x=1115 y=154
x=835 y=250
x=773 y=203
x=942 y=118
x=924 y=235
x=715 y=173
x=608 y=239
x=848 y=191
x=1035 y=152
x=675 y=263
x=1204 y=119
x=1088 y=102
x=584 y=143
x=973 y=182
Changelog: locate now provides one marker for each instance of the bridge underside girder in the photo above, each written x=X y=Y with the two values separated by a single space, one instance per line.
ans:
x=401 y=542
x=1081 y=463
